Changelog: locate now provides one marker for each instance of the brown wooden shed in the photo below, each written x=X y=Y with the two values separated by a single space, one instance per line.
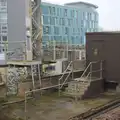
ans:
x=105 y=46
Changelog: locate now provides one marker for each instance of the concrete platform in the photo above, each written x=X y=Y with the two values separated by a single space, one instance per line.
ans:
x=23 y=63
x=52 y=107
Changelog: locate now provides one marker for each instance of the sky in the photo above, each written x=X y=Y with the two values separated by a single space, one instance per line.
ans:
x=109 y=16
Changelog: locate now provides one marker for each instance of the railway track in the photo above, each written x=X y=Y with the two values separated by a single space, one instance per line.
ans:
x=94 y=113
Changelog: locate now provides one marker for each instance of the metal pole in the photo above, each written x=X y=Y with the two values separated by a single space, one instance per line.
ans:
x=25 y=107
x=59 y=86
x=54 y=55
x=6 y=77
x=72 y=70
x=91 y=67
x=39 y=74
x=33 y=81
x=101 y=69
x=67 y=49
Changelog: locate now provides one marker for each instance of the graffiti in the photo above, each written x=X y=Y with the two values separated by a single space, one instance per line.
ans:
x=12 y=81
x=15 y=76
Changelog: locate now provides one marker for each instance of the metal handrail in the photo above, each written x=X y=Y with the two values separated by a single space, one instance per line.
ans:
x=100 y=70
x=65 y=70
x=93 y=62
x=85 y=70
x=61 y=85
x=65 y=80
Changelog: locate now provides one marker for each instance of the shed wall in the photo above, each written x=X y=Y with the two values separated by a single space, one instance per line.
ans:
x=108 y=45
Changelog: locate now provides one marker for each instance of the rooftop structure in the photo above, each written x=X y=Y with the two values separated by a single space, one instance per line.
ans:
x=82 y=3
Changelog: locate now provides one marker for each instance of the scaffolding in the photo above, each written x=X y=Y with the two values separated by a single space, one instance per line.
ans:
x=36 y=16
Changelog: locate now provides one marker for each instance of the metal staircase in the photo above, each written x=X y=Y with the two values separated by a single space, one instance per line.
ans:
x=80 y=86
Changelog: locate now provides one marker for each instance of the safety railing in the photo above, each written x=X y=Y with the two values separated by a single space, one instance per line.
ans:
x=89 y=75
x=63 y=75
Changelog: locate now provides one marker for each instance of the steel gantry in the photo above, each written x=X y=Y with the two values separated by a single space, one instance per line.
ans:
x=36 y=16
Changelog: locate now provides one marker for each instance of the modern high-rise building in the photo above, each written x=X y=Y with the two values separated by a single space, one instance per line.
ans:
x=68 y=23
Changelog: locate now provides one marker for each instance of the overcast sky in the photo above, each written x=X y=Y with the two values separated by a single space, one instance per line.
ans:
x=109 y=16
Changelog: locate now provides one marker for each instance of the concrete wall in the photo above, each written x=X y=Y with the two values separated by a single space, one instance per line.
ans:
x=16 y=22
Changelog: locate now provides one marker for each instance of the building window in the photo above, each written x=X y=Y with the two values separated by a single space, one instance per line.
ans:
x=60 y=21
x=90 y=16
x=4 y=38
x=86 y=15
x=56 y=21
x=66 y=30
x=88 y=24
x=3 y=2
x=4 y=31
x=56 y=30
x=65 y=12
x=63 y=21
x=83 y=15
x=81 y=30
x=46 y=30
x=82 y=23
x=52 y=20
x=72 y=13
x=69 y=22
x=76 y=14
x=55 y=38
x=78 y=31
x=49 y=9
x=53 y=10
x=58 y=11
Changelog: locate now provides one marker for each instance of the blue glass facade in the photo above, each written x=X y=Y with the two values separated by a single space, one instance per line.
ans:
x=68 y=24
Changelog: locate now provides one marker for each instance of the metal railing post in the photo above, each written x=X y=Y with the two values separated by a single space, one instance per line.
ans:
x=59 y=87
x=72 y=70
x=39 y=75
x=101 y=69
x=91 y=67
x=54 y=50
x=25 y=106
x=33 y=81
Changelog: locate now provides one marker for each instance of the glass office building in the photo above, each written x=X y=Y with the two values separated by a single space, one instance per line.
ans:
x=69 y=23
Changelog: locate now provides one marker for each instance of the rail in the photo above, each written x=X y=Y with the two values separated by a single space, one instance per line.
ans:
x=91 y=70
x=66 y=70
x=59 y=81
